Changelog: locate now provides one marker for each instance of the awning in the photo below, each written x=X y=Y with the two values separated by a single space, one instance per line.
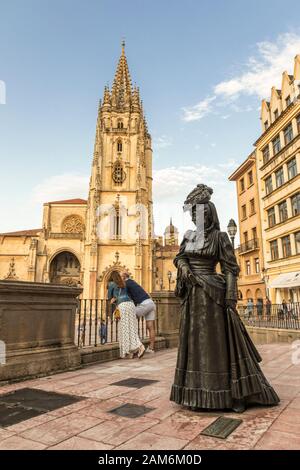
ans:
x=287 y=280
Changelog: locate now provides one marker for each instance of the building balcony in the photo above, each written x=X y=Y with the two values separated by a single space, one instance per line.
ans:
x=250 y=245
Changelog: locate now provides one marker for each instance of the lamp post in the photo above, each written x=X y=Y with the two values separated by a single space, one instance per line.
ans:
x=232 y=229
x=169 y=278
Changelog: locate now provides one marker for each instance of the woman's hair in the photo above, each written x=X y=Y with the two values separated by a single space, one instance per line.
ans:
x=117 y=279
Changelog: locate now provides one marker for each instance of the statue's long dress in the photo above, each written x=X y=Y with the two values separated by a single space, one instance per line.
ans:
x=217 y=361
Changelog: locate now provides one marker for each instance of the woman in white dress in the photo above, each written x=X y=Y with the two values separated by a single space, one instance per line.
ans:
x=129 y=341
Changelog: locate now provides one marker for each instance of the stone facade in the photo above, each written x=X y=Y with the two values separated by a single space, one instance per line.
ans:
x=165 y=250
x=251 y=283
x=277 y=162
x=85 y=240
x=278 y=169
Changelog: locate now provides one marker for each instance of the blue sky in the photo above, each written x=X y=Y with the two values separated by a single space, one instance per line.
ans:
x=202 y=68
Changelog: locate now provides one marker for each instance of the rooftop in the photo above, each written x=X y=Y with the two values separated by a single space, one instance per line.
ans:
x=68 y=201
x=88 y=424
x=23 y=233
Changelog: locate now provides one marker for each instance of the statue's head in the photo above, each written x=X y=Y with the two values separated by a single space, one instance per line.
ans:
x=201 y=208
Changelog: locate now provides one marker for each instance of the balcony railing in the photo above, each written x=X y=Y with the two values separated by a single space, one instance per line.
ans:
x=249 y=246
x=286 y=316
x=96 y=323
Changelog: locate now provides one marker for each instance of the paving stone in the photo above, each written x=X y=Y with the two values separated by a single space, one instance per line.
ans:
x=80 y=443
x=60 y=429
x=19 y=443
x=89 y=424
x=149 y=441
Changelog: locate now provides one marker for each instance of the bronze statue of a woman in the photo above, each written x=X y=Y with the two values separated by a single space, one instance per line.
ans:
x=217 y=364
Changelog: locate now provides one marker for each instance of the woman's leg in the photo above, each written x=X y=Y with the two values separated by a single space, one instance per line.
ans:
x=150 y=325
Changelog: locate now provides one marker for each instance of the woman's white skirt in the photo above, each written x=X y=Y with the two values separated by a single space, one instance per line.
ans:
x=129 y=339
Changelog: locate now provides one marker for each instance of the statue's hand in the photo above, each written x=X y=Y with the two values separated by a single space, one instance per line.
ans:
x=185 y=272
x=231 y=304
x=187 y=275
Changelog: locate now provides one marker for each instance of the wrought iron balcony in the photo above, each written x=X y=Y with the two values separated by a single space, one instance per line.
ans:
x=250 y=245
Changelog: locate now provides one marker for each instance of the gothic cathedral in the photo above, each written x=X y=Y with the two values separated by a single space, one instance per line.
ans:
x=119 y=209
x=83 y=241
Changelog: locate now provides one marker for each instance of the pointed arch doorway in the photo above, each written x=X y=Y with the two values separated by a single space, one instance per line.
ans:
x=65 y=269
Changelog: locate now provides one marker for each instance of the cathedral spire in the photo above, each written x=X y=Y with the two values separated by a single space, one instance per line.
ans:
x=122 y=89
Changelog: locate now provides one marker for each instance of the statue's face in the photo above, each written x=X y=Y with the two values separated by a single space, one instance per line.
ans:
x=203 y=213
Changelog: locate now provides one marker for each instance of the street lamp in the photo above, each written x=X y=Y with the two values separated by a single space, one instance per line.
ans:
x=232 y=229
x=169 y=277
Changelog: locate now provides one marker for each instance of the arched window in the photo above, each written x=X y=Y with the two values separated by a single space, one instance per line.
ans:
x=119 y=146
x=117 y=220
x=120 y=125
x=119 y=174
x=249 y=295
x=117 y=226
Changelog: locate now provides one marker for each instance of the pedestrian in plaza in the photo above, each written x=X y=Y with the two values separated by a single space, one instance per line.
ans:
x=250 y=307
x=268 y=308
x=284 y=308
x=259 y=307
x=103 y=332
x=129 y=341
x=145 y=307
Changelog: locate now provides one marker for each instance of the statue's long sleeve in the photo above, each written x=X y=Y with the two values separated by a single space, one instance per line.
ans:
x=181 y=258
x=229 y=266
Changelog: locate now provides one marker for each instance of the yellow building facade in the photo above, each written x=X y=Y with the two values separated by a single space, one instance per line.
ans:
x=251 y=283
x=85 y=240
x=165 y=250
x=278 y=171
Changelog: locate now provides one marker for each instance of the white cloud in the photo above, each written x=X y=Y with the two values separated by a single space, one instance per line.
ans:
x=162 y=142
x=27 y=213
x=261 y=71
x=171 y=186
x=198 y=111
x=65 y=186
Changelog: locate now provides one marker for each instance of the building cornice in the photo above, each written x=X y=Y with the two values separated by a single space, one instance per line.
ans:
x=280 y=118
x=248 y=163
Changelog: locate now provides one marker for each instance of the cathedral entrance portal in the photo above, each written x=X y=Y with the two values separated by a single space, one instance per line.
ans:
x=65 y=269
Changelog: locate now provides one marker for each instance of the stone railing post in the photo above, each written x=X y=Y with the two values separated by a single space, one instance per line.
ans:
x=168 y=316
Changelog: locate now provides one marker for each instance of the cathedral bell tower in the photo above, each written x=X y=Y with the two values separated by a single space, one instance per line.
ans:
x=119 y=231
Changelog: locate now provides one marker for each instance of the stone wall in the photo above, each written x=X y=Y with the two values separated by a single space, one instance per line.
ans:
x=262 y=335
x=168 y=316
x=37 y=326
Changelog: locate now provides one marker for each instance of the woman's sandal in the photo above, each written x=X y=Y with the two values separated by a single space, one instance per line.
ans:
x=141 y=351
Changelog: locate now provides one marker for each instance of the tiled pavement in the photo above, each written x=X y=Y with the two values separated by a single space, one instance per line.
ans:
x=88 y=424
